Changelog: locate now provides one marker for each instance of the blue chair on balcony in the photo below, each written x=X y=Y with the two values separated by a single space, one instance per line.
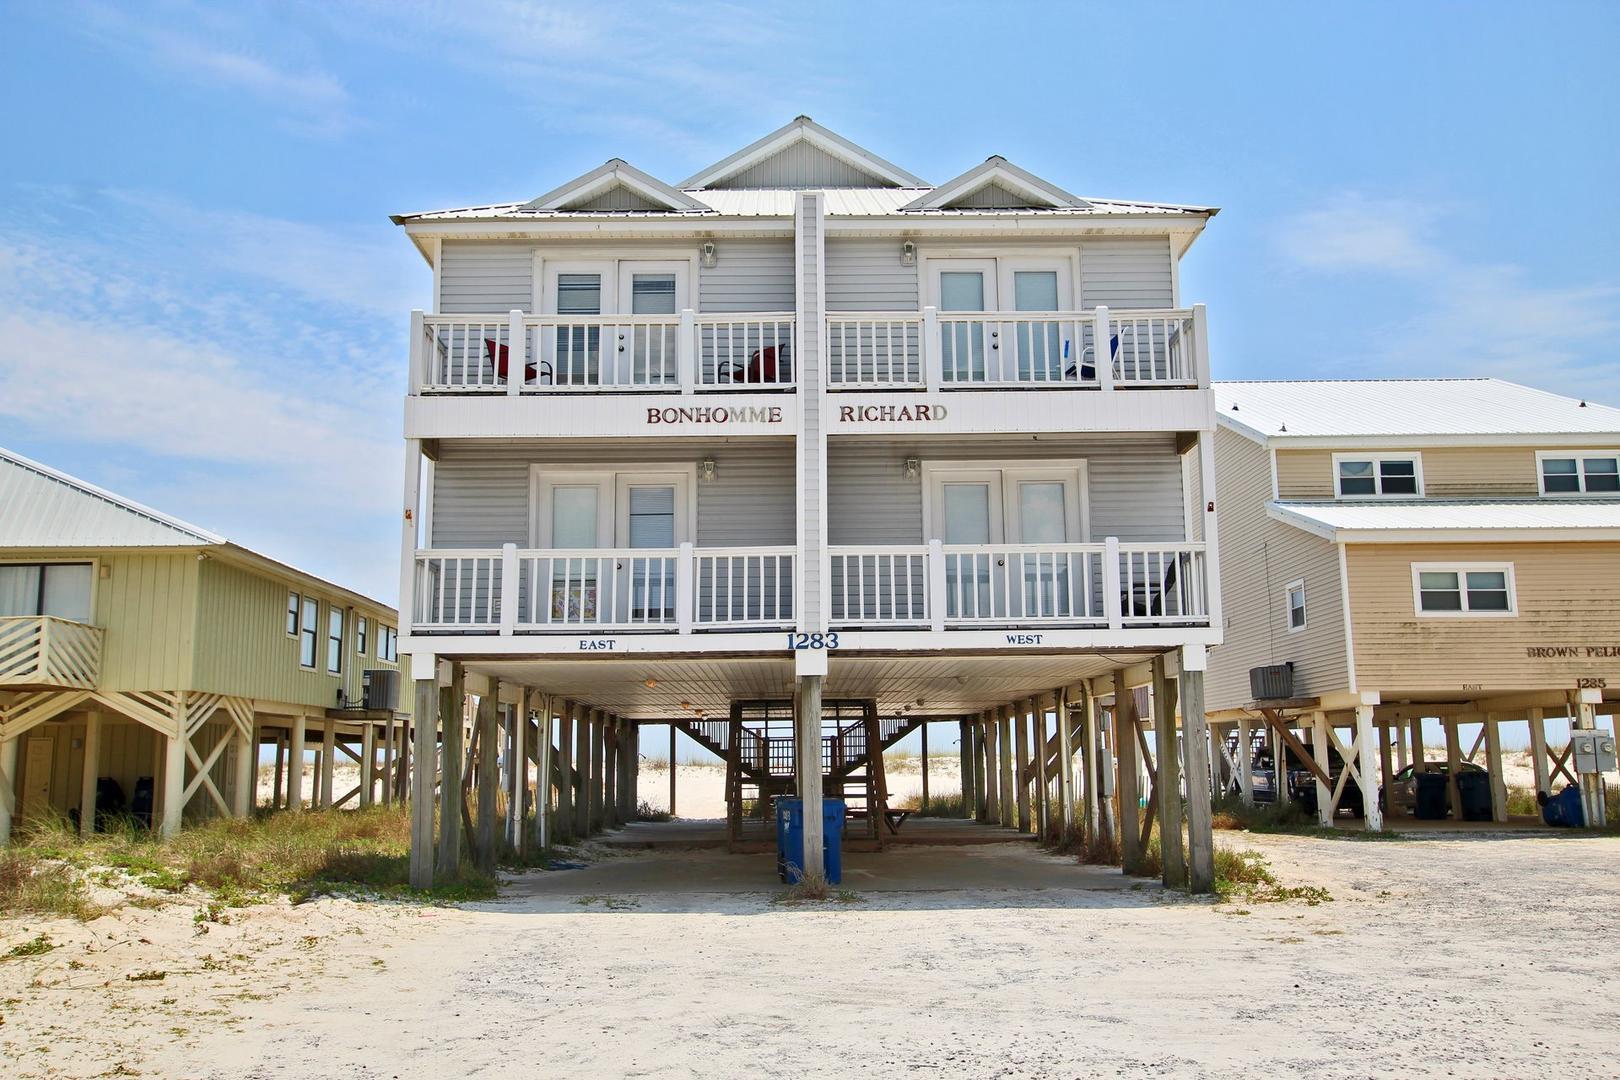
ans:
x=1087 y=368
x=1146 y=599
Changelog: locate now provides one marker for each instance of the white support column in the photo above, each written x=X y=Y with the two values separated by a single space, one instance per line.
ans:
x=1245 y=761
x=1102 y=349
x=1110 y=583
x=368 y=763
x=1368 y=767
x=1200 y=348
x=408 y=535
x=1538 y=750
x=174 y=776
x=509 y=589
x=418 y=355
x=517 y=348
x=328 y=761
x=424 y=721
x=247 y=771
x=1319 y=751
x=1212 y=540
x=1065 y=776
x=686 y=352
x=937 y=600
x=933 y=368
x=685 y=588
x=90 y=773
x=1493 y=765
x=295 y=764
x=8 y=786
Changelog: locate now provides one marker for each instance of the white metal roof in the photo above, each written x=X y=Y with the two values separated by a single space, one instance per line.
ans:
x=1447 y=519
x=42 y=508
x=1299 y=411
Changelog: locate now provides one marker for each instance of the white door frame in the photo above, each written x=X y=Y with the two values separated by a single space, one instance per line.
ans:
x=613 y=498
x=1072 y=472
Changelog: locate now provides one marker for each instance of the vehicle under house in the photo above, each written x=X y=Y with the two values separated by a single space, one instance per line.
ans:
x=144 y=662
x=1411 y=550
x=795 y=455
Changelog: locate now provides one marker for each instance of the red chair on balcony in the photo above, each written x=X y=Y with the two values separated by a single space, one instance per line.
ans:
x=769 y=366
x=500 y=357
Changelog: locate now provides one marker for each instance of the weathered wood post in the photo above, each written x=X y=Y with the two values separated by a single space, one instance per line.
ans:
x=1367 y=766
x=1125 y=756
x=90 y=773
x=964 y=753
x=611 y=768
x=1043 y=772
x=598 y=767
x=1493 y=764
x=517 y=836
x=1019 y=719
x=565 y=770
x=1004 y=745
x=582 y=771
x=328 y=761
x=925 y=766
x=543 y=760
x=488 y=780
x=1065 y=749
x=1453 y=764
x=1167 y=787
x=807 y=742
x=8 y=784
x=424 y=718
x=1200 y=824
x=992 y=768
x=672 y=768
x=452 y=703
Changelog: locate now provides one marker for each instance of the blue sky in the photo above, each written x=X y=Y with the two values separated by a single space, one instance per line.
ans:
x=203 y=305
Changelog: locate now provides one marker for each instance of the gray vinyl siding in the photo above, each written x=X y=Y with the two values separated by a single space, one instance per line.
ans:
x=1126 y=273
x=618 y=197
x=477 y=276
x=481 y=490
x=992 y=197
x=748 y=275
x=1133 y=481
x=1259 y=557
x=866 y=275
x=801 y=165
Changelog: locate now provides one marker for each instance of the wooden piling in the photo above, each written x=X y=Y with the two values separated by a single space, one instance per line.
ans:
x=1200 y=823
x=488 y=781
x=423 y=719
x=582 y=771
x=1125 y=760
x=565 y=770
x=1167 y=783
x=451 y=704
x=1018 y=717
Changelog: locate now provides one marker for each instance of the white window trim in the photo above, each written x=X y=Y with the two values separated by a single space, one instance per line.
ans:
x=314 y=628
x=95 y=576
x=1461 y=569
x=544 y=298
x=1580 y=472
x=362 y=634
x=1288 y=610
x=612 y=491
x=1378 y=481
x=342 y=637
x=297 y=599
x=998 y=266
x=1004 y=476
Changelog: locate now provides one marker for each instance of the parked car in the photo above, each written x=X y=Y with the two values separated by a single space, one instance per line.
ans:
x=1302 y=785
x=1400 y=795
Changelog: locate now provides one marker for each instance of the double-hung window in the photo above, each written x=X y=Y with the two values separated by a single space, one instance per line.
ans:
x=1294 y=599
x=292 y=614
x=1463 y=589
x=334 y=639
x=362 y=630
x=387 y=643
x=308 y=613
x=1579 y=472
x=1374 y=476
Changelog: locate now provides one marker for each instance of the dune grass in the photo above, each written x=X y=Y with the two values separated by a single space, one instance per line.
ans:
x=950 y=805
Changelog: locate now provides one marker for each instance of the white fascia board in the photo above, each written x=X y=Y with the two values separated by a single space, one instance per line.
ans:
x=1419 y=442
x=615 y=172
x=1032 y=223
x=996 y=170
x=1305 y=524
x=803 y=129
x=603 y=227
x=1238 y=427
x=1548 y=535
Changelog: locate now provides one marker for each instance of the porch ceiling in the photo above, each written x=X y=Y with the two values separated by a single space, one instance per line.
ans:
x=930 y=685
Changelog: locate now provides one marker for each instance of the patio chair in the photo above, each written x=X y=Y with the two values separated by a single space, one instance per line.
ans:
x=501 y=356
x=1146 y=598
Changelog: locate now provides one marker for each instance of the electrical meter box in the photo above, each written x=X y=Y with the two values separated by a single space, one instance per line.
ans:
x=1593 y=751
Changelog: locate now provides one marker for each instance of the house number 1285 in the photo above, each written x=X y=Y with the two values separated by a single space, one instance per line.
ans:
x=812 y=641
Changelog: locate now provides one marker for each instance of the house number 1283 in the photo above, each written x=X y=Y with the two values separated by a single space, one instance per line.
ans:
x=812 y=641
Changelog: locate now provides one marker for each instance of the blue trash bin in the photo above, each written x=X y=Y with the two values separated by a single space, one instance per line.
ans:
x=790 y=839
x=1565 y=809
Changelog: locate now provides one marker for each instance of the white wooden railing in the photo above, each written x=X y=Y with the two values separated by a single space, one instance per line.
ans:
x=517 y=353
x=977 y=350
x=508 y=590
x=1072 y=585
x=43 y=651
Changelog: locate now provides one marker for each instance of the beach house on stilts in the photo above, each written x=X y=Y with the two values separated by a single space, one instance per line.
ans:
x=796 y=455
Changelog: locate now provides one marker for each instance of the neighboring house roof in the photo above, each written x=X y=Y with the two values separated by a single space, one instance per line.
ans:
x=893 y=192
x=42 y=508
x=1403 y=411
x=1450 y=520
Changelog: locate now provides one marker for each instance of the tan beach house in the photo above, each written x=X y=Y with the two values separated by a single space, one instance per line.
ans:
x=1416 y=548
x=798 y=453
x=144 y=661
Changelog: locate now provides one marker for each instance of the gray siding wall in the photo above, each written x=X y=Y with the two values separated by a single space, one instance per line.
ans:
x=748 y=275
x=801 y=165
x=1134 y=485
x=618 y=197
x=866 y=275
x=481 y=490
x=478 y=276
x=1126 y=273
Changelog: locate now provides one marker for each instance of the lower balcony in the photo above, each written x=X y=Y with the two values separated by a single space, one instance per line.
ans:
x=939 y=586
x=40 y=652
x=678 y=590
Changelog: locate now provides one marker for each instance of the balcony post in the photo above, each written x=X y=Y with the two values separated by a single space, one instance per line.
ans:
x=933 y=368
x=1102 y=349
x=8 y=783
x=1212 y=556
x=517 y=344
x=408 y=535
x=936 y=585
x=686 y=351
x=509 y=589
x=1111 y=598
x=1199 y=362
x=418 y=373
x=685 y=594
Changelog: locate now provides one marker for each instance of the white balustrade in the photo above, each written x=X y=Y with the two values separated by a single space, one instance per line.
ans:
x=457 y=590
x=738 y=587
x=879 y=586
x=744 y=352
x=1034 y=584
x=627 y=589
x=1161 y=584
x=876 y=350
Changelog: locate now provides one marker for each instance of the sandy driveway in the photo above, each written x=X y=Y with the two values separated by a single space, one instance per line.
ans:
x=1445 y=956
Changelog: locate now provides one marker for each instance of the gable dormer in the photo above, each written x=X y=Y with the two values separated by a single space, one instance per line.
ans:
x=617 y=185
x=997 y=184
x=802 y=154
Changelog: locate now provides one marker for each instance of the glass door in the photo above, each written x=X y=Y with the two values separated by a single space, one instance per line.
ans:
x=575 y=527
x=967 y=286
x=571 y=352
x=968 y=521
x=1038 y=515
x=649 y=581
x=1037 y=350
x=646 y=352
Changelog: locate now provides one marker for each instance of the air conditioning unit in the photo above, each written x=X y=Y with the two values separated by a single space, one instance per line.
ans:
x=381 y=690
x=1273 y=682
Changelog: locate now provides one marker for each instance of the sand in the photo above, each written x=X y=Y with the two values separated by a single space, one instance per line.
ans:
x=1457 y=956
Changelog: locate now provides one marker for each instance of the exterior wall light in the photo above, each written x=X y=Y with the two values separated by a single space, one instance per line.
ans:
x=710 y=256
x=913 y=468
x=908 y=254
x=706 y=469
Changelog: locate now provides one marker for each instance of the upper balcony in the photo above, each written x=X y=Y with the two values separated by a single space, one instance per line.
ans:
x=40 y=652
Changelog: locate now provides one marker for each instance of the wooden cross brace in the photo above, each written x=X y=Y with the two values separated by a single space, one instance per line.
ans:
x=1280 y=726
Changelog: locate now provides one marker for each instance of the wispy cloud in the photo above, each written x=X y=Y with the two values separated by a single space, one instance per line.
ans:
x=218 y=49
x=1456 y=316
